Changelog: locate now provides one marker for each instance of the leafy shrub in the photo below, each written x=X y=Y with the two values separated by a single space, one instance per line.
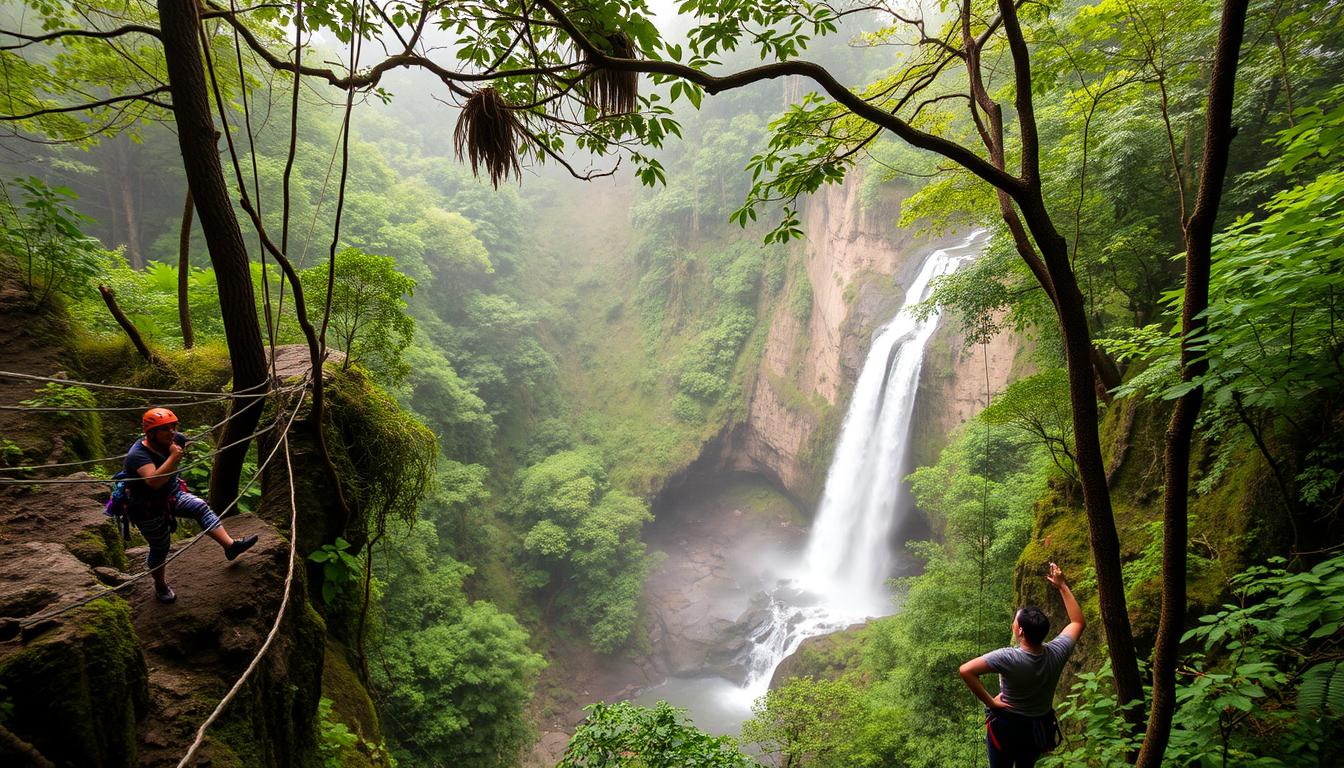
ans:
x=583 y=542
x=11 y=454
x=340 y=569
x=703 y=385
x=368 y=310
x=454 y=676
x=808 y=722
x=624 y=735
x=685 y=408
x=1264 y=690
x=335 y=737
x=55 y=255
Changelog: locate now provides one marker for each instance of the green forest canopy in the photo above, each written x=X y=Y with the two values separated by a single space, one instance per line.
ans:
x=1093 y=139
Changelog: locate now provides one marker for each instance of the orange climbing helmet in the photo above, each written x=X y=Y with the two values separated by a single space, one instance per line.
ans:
x=157 y=417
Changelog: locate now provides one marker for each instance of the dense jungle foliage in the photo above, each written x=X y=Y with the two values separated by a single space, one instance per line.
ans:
x=535 y=380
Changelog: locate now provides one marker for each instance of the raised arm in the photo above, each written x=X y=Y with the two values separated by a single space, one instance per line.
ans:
x=1076 y=620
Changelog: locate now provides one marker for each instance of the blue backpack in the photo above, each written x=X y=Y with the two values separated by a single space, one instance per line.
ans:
x=119 y=505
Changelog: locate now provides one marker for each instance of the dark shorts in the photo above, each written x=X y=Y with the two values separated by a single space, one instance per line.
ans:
x=1013 y=740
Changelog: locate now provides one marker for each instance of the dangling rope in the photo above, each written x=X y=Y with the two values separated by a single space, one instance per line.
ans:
x=316 y=344
x=256 y=190
x=983 y=539
x=279 y=614
x=984 y=513
x=289 y=156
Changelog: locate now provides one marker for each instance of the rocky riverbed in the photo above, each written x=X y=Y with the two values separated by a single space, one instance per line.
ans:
x=719 y=543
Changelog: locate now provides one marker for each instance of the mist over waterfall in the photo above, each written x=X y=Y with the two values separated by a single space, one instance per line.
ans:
x=841 y=578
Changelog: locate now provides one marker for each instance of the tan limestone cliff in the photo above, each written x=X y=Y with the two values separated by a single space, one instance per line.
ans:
x=956 y=383
x=858 y=263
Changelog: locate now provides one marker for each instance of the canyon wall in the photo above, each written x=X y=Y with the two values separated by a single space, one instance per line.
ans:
x=857 y=262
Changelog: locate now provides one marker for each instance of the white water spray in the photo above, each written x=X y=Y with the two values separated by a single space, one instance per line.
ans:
x=848 y=558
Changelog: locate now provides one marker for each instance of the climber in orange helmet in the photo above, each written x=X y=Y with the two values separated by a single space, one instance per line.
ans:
x=157 y=496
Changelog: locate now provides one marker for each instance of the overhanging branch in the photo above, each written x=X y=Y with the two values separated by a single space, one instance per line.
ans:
x=100 y=34
x=815 y=72
x=146 y=97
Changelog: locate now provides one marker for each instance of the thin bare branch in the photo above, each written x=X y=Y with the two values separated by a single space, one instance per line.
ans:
x=146 y=97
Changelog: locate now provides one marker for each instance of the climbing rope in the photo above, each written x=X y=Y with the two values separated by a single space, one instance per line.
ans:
x=279 y=615
x=196 y=434
x=218 y=397
x=245 y=392
x=983 y=537
x=191 y=435
x=47 y=616
x=271 y=332
x=984 y=513
x=106 y=408
x=107 y=481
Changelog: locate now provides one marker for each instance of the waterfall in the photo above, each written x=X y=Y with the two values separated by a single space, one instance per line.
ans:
x=842 y=576
x=848 y=552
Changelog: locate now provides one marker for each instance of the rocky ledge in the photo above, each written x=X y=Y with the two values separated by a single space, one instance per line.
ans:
x=125 y=680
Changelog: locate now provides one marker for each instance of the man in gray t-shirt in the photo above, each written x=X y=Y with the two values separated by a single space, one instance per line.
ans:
x=1028 y=675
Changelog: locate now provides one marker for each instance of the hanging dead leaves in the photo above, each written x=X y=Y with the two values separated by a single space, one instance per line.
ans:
x=488 y=133
x=614 y=92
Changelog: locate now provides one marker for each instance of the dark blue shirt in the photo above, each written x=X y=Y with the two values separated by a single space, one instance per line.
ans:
x=138 y=456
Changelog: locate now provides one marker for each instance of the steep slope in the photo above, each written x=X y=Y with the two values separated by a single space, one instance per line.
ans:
x=125 y=680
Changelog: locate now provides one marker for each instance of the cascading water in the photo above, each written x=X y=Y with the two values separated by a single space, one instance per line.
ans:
x=840 y=577
x=848 y=557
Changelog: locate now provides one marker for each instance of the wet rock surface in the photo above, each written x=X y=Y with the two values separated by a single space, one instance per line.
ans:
x=76 y=679
x=68 y=514
x=707 y=596
x=713 y=538
x=197 y=646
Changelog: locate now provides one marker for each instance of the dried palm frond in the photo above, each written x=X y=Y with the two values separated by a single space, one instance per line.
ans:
x=488 y=133
x=615 y=92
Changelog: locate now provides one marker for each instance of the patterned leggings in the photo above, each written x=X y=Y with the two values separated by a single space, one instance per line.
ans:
x=157 y=529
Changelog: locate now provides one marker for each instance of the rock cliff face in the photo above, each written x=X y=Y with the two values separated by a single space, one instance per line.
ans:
x=850 y=263
x=857 y=263
x=954 y=383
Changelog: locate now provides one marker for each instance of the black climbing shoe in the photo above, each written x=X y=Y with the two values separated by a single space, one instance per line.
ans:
x=239 y=546
x=164 y=595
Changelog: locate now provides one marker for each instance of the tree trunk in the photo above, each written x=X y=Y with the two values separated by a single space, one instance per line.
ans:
x=132 y=332
x=1218 y=133
x=1078 y=349
x=183 y=275
x=126 y=196
x=179 y=24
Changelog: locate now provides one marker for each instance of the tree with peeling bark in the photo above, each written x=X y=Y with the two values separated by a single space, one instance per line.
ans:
x=543 y=81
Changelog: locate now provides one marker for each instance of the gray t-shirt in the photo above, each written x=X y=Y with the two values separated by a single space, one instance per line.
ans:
x=1026 y=680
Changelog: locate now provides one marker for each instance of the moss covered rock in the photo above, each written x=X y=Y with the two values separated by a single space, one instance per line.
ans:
x=352 y=723
x=1236 y=519
x=825 y=657
x=77 y=684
